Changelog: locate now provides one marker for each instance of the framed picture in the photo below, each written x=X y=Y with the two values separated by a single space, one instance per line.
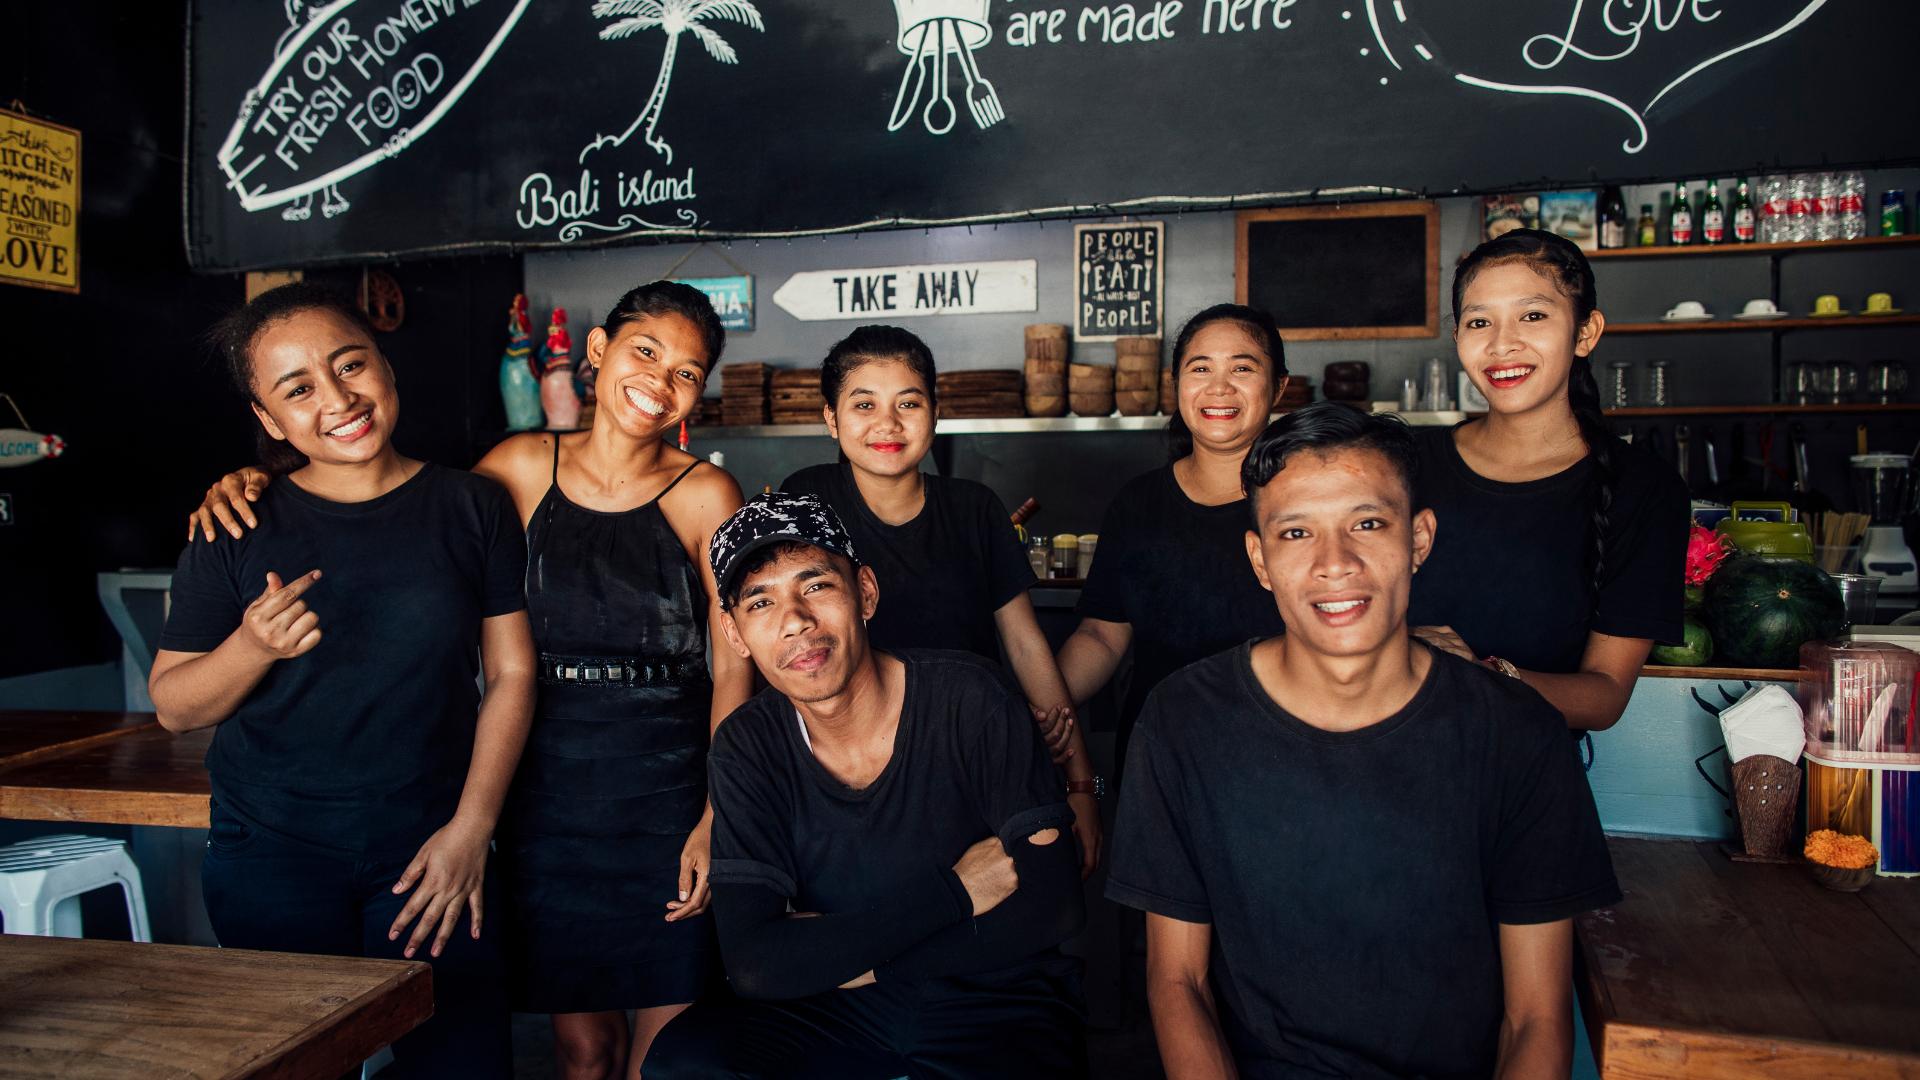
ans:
x=1342 y=273
x=1119 y=280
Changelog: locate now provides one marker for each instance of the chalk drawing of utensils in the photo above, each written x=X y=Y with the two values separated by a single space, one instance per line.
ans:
x=982 y=102
x=940 y=113
x=911 y=81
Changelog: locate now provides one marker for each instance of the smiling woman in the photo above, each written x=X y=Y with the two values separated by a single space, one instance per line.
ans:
x=1591 y=532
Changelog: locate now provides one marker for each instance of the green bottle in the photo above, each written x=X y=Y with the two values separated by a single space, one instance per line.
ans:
x=1649 y=228
x=1713 y=217
x=1680 y=218
x=1745 y=229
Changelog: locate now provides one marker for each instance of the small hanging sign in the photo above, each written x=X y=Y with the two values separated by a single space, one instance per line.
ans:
x=895 y=292
x=732 y=298
x=39 y=203
x=19 y=446
x=1119 y=280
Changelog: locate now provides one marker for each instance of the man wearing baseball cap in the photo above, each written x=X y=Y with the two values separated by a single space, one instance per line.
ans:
x=893 y=868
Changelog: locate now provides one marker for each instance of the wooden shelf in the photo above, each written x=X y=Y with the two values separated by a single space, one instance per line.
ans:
x=1730 y=674
x=1669 y=252
x=1758 y=410
x=1755 y=325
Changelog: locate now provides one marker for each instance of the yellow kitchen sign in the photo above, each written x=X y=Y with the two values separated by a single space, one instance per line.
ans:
x=39 y=203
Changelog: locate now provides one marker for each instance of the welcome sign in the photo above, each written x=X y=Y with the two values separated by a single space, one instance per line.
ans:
x=39 y=203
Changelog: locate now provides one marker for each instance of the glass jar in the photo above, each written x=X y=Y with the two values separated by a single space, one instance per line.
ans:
x=1620 y=387
x=1659 y=384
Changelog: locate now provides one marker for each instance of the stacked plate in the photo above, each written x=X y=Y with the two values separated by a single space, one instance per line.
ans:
x=796 y=396
x=743 y=393
x=980 y=394
x=706 y=412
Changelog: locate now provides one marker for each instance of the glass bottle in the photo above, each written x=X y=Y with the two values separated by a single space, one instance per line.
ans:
x=1680 y=218
x=1713 y=216
x=1613 y=218
x=1649 y=228
x=1745 y=229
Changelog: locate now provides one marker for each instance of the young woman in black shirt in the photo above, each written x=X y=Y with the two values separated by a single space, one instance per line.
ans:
x=604 y=839
x=357 y=773
x=1172 y=580
x=951 y=571
x=1560 y=548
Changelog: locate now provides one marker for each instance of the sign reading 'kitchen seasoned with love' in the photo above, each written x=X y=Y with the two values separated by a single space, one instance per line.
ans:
x=39 y=203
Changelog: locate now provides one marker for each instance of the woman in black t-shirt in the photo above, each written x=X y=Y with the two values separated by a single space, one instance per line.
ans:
x=357 y=772
x=1560 y=549
x=1172 y=580
x=951 y=571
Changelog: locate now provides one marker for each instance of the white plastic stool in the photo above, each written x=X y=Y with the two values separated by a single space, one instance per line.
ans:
x=41 y=881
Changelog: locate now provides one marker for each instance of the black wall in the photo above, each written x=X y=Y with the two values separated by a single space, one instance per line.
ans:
x=118 y=370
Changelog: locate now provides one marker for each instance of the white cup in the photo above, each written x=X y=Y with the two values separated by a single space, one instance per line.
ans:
x=1761 y=306
x=1688 y=309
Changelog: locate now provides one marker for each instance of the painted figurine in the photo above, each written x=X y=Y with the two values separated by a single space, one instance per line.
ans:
x=556 y=384
x=519 y=379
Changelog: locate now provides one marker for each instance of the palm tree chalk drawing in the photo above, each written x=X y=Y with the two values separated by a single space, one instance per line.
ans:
x=934 y=33
x=673 y=18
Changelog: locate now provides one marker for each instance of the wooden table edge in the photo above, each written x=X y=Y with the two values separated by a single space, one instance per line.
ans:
x=1609 y=1036
x=104 y=806
x=394 y=1016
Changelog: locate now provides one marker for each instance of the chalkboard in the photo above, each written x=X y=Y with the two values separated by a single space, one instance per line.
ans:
x=359 y=129
x=1120 y=280
x=1370 y=270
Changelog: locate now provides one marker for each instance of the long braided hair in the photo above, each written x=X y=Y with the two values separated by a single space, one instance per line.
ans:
x=1560 y=261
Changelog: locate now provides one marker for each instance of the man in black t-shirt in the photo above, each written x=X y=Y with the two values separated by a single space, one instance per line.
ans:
x=892 y=873
x=1358 y=856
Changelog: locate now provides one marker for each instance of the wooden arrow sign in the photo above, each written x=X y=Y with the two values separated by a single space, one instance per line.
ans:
x=899 y=292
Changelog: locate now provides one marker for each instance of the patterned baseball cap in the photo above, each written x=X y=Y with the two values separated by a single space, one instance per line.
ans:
x=774 y=517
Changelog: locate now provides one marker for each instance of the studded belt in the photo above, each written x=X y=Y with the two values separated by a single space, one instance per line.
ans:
x=620 y=671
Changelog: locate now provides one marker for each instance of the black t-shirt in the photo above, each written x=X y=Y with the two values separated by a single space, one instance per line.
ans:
x=967 y=764
x=362 y=744
x=1178 y=572
x=943 y=574
x=1354 y=880
x=1511 y=568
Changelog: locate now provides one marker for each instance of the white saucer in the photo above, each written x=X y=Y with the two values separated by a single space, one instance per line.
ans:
x=1686 y=318
x=1764 y=315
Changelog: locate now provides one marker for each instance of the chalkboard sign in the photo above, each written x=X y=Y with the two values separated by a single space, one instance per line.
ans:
x=345 y=131
x=1368 y=270
x=1120 y=280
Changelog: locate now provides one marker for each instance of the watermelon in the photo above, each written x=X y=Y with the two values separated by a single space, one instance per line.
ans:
x=1695 y=652
x=1761 y=609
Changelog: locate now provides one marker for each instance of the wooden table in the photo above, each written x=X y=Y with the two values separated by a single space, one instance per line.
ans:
x=1711 y=968
x=107 y=768
x=72 y=1008
x=26 y=735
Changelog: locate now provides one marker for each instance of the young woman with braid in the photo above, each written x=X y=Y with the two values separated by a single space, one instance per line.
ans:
x=1560 y=548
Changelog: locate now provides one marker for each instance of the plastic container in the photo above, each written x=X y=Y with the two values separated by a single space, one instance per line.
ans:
x=1859 y=701
x=1767 y=528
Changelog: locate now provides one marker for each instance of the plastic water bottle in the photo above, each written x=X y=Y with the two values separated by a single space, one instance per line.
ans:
x=1773 y=210
x=1799 y=208
x=1853 y=206
x=1826 y=207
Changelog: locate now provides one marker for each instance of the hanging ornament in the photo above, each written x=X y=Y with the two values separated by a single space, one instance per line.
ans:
x=23 y=446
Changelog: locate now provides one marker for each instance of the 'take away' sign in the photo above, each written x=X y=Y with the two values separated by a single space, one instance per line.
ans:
x=904 y=291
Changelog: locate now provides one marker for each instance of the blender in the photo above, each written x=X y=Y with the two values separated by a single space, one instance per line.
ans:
x=1880 y=490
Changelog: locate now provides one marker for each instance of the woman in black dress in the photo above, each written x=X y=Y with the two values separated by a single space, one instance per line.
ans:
x=1560 y=549
x=604 y=840
x=1172 y=580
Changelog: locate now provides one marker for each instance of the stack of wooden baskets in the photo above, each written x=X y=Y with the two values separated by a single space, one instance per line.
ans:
x=1046 y=371
x=1137 y=376
x=978 y=394
x=743 y=393
x=796 y=396
x=1090 y=389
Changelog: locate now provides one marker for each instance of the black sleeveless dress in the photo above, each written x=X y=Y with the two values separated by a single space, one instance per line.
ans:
x=614 y=776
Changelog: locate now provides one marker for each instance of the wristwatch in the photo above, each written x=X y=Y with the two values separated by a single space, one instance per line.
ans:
x=1504 y=667
x=1096 y=787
